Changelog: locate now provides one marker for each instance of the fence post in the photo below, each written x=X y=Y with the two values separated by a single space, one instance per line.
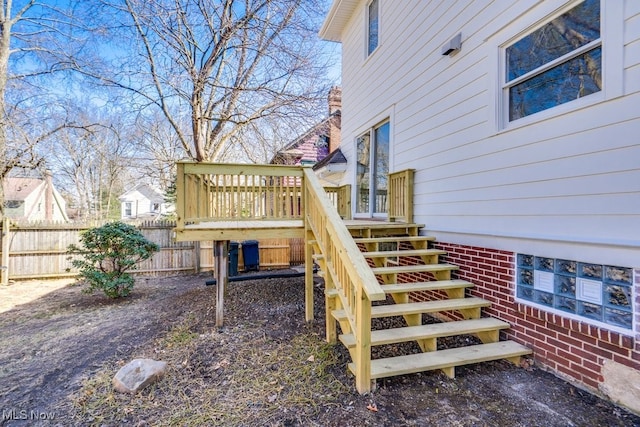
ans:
x=4 y=265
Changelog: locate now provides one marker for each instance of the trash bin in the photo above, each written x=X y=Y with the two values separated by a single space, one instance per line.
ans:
x=251 y=255
x=233 y=259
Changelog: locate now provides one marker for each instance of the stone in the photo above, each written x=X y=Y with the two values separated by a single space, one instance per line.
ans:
x=621 y=384
x=138 y=374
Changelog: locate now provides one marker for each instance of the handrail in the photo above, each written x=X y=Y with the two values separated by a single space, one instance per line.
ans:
x=348 y=273
x=401 y=196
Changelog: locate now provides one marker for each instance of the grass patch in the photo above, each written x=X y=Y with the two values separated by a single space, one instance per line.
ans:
x=237 y=377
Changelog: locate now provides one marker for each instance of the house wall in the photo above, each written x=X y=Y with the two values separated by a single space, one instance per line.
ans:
x=572 y=178
x=140 y=205
x=35 y=205
x=564 y=183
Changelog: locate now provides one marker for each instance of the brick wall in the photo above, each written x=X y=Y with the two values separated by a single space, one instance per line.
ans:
x=573 y=348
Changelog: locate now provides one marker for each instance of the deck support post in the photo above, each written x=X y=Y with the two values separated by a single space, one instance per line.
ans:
x=221 y=261
x=308 y=277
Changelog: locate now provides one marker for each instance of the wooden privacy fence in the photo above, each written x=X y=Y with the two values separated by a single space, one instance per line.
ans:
x=38 y=251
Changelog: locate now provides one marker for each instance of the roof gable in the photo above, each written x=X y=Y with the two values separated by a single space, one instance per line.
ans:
x=146 y=191
x=20 y=188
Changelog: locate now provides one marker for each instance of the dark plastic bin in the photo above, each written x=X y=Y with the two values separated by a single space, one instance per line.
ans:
x=251 y=255
x=233 y=258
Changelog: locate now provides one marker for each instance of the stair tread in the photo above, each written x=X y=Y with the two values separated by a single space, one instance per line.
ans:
x=380 y=225
x=387 y=239
x=426 y=286
x=413 y=268
x=440 y=359
x=409 y=252
x=420 y=307
x=428 y=306
x=445 y=329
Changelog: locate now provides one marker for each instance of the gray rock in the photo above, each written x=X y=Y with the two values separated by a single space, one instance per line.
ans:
x=137 y=374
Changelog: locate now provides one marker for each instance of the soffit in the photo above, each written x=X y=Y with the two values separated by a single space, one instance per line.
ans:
x=339 y=15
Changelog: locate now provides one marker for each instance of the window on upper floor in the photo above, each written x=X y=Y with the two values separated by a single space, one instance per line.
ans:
x=554 y=64
x=128 y=209
x=373 y=25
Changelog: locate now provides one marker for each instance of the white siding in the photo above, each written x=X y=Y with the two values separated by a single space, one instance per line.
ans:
x=574 y=177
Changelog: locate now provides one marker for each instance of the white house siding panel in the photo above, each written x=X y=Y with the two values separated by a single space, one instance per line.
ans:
x=632 y=47
x=574 y=177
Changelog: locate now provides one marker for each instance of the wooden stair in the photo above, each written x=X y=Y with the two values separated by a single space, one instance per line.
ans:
x=446 y=360
x=397 y=251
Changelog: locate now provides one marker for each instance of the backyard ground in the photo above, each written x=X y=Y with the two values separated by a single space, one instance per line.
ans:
x=266 y=367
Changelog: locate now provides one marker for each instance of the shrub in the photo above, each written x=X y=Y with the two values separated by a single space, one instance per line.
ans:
x=106 y=255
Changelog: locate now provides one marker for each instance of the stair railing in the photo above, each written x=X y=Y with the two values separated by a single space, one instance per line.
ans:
x=348 y=275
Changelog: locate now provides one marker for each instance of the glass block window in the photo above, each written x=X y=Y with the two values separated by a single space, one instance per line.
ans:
x=601 y=293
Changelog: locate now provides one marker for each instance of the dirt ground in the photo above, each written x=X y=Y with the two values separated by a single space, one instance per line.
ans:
x=266 y=367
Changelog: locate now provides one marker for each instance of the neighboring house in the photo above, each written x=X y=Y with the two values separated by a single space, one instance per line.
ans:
x=33 y=199
x=143 y=202
x=522 y=122
x=319 y=147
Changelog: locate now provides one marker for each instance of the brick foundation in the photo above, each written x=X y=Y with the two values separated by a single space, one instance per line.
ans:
x=575 y=349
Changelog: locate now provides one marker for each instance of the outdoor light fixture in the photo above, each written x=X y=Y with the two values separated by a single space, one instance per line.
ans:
x=453 y=46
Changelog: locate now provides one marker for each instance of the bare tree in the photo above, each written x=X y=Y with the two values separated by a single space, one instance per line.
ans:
x=92 y=160
x=215 y=68
x=35 y=36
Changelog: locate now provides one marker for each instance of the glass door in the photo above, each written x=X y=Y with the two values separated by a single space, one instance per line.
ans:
x=372 y=171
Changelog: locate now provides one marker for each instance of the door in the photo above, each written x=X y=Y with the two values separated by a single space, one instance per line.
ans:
x=372 y=172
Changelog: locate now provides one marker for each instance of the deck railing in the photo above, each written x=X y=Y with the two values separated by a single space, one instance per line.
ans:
x=340 y=198
x=223 y=192
x=401 y=196
x=347 y=277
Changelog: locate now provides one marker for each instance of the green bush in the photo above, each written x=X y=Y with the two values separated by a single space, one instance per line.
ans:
x=107 y=253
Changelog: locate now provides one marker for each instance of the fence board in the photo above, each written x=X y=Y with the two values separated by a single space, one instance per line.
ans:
x=38 y=251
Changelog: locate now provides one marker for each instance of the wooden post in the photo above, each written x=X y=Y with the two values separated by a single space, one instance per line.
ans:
x=4 y=265
x=221 y=273
x=308 y=258
x=308 y=276
x=197 y=253
x=363 y=343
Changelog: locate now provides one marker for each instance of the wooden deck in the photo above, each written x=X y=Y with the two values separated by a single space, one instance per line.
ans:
x=362 y=261
x=241 y=230
x=265 y=229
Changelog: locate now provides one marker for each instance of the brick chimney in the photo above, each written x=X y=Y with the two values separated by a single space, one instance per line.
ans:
x=335 y=117
x=335 y=99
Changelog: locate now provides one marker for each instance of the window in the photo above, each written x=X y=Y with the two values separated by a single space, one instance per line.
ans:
x=555 y=64
x=372 y=170
x=155 y=207
x=372 y=27
x=127 y=209
x=601 y=293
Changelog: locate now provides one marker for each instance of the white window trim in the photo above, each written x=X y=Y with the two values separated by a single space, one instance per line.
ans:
x=388 y=115
x=368 y=54
x=611 y=40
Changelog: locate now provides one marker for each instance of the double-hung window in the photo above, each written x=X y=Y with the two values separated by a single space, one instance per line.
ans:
x=557 y=63
x=373 y=25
